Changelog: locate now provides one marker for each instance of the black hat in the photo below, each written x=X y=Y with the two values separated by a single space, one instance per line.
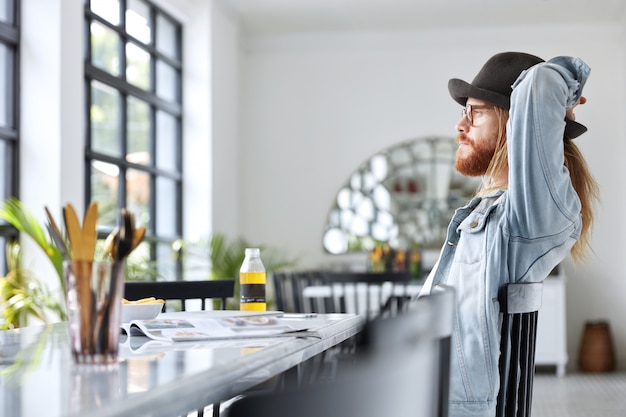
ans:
x=494 y=83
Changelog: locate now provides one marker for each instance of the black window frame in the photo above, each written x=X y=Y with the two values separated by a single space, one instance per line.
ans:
x=155 y=103
x=10 y=133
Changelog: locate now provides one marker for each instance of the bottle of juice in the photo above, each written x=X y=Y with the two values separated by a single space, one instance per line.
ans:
x=252 y=280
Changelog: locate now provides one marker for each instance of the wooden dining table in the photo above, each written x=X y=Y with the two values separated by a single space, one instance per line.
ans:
x=151 y=378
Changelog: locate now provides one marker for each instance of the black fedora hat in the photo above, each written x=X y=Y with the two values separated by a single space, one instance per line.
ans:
x=494 y=81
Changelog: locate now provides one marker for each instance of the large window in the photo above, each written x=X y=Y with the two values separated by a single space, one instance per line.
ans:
x=9 y=115
x=133 y=68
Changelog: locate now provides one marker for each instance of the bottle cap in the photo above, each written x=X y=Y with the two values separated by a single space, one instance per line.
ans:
x=253 y=251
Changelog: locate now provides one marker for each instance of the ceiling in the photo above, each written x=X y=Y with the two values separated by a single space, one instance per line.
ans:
x=259 y=17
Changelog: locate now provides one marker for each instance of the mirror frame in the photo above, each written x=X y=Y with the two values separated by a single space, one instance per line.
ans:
x=403 y=196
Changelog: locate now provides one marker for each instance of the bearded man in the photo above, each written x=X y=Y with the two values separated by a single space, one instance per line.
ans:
x=533 y=208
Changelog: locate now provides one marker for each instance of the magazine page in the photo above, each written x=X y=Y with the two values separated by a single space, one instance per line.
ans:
x=143 y=346
x=189 y=329
x=196 y=315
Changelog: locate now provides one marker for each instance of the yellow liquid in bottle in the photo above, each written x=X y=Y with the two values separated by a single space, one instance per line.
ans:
x=252 y=289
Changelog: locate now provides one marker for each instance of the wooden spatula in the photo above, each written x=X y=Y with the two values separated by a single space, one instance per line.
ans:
x=89 y=231
x=82 y=239
x=72 y=225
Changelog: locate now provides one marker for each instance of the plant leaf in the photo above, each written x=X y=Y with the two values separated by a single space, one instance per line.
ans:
x=18 y=215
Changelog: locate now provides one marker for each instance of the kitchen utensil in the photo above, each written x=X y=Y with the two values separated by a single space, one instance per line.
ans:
x=57 y=236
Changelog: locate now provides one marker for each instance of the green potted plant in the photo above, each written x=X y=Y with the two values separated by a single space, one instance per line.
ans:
x=23 y=295
x=20 y=217
x=226 y=256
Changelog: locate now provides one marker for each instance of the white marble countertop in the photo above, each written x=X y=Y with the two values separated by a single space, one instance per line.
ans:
x=38 y=377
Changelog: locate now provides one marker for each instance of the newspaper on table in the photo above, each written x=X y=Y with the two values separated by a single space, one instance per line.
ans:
x=197 y=327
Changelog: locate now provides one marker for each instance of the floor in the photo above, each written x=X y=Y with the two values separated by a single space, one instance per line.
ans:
x=574 y=395
x=580 y=395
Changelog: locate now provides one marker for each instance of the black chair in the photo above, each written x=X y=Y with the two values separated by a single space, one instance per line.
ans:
x=183 y=291
x=403 y=371
x=520 y=304
x=351 y=292
x=288 y=287
x=427 y=322
x=279 y=280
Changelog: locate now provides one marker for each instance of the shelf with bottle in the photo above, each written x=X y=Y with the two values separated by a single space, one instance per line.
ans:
x=384 y=258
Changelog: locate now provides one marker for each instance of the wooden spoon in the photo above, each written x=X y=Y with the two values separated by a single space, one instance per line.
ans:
x=120 y=245
x=72 y=225
x=138 y=235
x=125 y=240
x=110 y=244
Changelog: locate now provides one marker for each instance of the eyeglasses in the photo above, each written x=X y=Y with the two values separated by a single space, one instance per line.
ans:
x=471 y=111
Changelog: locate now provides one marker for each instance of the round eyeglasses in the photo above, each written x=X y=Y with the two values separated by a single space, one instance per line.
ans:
x=471 y=111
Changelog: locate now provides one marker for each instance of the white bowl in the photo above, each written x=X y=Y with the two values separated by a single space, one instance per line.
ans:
x=146 y=311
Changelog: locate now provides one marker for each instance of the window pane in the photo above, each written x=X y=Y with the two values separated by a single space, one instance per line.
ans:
x=167 y=264
x=104 y=186
x=166 y=81
x=130 y=127
x=166 y=204
x=5 y=173
x=138 y=195
x=137 y=66
x=105 y=49
x=9 y=99
x=138 y=129
x=107 y=9
x=105 y=119
x=166 y=139
x=6 y=87
x=6 y=13
x=167 y=38
x=138 y=263
x=138 y=21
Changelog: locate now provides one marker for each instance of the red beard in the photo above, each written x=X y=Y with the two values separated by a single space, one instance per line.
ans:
x=473 y=158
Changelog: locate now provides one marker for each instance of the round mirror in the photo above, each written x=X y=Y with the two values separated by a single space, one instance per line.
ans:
x=404 y=196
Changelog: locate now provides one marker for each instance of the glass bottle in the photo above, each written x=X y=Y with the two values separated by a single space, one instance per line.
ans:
x=252 y=280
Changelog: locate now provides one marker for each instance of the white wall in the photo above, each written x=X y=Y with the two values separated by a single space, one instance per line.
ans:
x=197 y=120
x=314 y=107
x=52 y=127
x=226 y=118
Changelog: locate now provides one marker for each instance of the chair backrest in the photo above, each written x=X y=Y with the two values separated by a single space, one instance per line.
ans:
x=427 y=322
x=520 y=304
x=404 y=371
x=279 y=279
x=219 y=289
x=288 y=287
x=368 y=293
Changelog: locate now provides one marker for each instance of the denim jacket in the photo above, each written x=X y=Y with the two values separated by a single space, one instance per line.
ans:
x=512 y=235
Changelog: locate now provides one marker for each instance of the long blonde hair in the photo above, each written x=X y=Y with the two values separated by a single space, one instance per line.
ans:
x=583 y=182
